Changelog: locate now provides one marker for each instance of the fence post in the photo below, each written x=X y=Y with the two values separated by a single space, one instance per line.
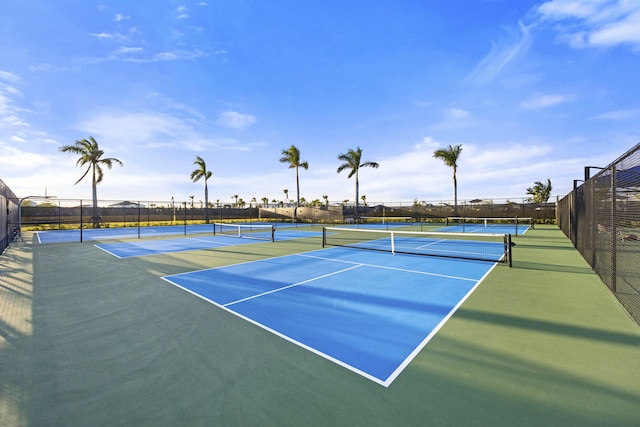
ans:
x=80 y=220
x=138 y=219
x=614 y=229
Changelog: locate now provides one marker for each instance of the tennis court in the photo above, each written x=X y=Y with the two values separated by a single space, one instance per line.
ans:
x=77 y=235
x=146 y=247
x=472 y=246
x=87 y=338
x=370 y=313
x=515 y=226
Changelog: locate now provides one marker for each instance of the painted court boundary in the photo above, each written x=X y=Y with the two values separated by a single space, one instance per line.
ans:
x=346 y=272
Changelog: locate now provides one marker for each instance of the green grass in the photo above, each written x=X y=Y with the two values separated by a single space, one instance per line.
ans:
x=88 y=339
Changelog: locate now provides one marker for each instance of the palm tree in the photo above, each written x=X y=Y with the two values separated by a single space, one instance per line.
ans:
x=353 y=161
x=326 y=200
x=202 y=172
x=450 y=156
x=540 y=192
x=235 y=196
x=91 y=154
x=292 y=156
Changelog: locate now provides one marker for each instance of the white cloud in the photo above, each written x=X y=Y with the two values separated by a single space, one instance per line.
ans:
x=130 y=131
x=590 y=23
x=176 y=55
x=182 y=12
x=560 y=9
x=428 y=143
x=17 y=159
x=101 y=36
x=619 y=115
x=10 y=77
x=133 y=128
x=502 y=54
x=127 y=50
x=455 y=118
x=10 y=112
x=48 y=67
x=458 y=113
x=235 y=120
x=626 y=30
x=543 y=101
x=120 y=17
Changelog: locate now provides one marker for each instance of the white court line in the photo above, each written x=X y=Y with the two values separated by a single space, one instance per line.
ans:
x=109 y=252
x=384 y=382
x=159 y=244
x=434 y=331
x=209 y=241
x=291 y=286
x=426 y=273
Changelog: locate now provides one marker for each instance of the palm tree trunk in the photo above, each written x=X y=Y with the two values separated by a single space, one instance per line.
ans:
x=357 y=191
x=455 y=193
x=206 y=203
x=295 y=210
x=95 y=217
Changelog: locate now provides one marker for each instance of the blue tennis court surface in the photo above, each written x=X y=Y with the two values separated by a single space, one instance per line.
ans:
x=489 y=228
x=138 y=248
x=369 y=312
x=61 y=236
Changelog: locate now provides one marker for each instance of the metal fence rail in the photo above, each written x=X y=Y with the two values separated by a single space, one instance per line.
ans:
x=602 y=219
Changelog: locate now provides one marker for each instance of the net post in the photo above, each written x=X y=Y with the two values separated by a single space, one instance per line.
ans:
x=393 y=243
x=510 y=256
x=324 y=236
x=273 y=233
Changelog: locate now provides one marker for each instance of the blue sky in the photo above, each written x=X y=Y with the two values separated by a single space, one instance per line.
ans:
x=531 y=89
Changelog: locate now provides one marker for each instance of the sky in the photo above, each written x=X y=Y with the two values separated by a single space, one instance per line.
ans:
x=531 y=90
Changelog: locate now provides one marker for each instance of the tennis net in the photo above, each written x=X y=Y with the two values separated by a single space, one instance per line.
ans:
x=472 y=246
x=386 y=220
x=249 y=231
x=472 y=224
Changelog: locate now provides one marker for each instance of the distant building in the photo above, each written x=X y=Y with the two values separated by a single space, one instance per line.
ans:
x=127 y=204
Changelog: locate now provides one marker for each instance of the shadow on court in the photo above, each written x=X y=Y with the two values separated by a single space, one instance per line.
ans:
x=87 y=339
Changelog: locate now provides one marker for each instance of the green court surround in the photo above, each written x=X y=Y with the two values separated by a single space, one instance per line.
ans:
x=89 y=339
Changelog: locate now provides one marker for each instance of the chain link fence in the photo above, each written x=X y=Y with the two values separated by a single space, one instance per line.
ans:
x=602 y=219
x=9 y=212
x=74 y=213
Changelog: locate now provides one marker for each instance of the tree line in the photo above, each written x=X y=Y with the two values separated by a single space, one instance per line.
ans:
x=91 y=155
